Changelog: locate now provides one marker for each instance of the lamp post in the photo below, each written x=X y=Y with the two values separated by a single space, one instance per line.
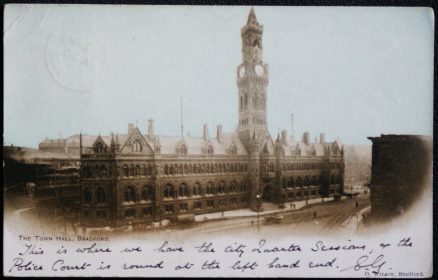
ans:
x=258 y=212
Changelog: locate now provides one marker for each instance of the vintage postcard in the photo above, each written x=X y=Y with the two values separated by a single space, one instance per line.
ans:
x=217 y=141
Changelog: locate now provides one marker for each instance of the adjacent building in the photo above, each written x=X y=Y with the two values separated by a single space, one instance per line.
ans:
x=401 y=171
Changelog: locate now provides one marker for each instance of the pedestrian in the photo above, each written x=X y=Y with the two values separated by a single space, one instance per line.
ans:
x=357 y=204
x=314 y=215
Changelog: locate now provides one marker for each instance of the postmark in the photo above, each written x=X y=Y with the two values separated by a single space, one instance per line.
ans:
x=74 y=60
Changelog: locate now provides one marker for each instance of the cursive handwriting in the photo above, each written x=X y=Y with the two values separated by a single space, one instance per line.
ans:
x=60 y=265
x=275 y=264
x=167 y=249
x=158 y=265
x=291 y=248
x=19 y=265
x=319 y=246
x=31 y=249
x=92 y=249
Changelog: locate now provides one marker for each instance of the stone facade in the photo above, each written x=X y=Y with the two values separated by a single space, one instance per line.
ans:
x=139 y=178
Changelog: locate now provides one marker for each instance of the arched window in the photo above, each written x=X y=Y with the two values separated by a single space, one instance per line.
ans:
x=299 y=182
x=147 y=193
x=171 y=169
x=221 y=187
x=209 y=188
x=233 y=186
x=87 y=195
x=100 y=195
x=166 y=169
x=271 y=167
x=148 y=170
x=131 y=170
x=197 y=189
x=137 y=170
x=313 y=181
x=103 y=170
x=183 y=150
x=136 y=146
x=209 y=150
x=125 y=171
x=99 y=148
x=130 y=195
x=246 y=100
x=183 y=190
x=332 y=179
x=306 y=181
x=339 y=179
x=241 y=103
x=169 y=191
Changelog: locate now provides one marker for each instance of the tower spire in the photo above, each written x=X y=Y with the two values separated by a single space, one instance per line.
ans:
x=252 y=19
x=182 y=126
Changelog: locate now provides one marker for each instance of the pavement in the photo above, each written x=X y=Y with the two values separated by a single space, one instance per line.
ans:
x=269 y=208
x=353 y=222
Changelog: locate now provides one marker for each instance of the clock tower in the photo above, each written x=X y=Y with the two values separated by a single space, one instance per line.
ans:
x=252 y=81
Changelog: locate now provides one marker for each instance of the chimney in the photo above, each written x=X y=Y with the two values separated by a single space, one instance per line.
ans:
x=130 y=127
x=219 y=133
x=151 y=128
x=205 y=135
x=306 y=138
x=322 y=138
x=283 y=136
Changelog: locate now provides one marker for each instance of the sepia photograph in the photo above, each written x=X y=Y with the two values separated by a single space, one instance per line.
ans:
x=217 y=141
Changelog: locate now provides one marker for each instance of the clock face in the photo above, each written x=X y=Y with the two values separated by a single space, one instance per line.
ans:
x=259 y=70
x=242 y=72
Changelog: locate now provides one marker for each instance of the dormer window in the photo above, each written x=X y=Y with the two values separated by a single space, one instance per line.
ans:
x=233 y=150
x=209 y=150
x=99 y=148
x=136 y=146
x=183 y=150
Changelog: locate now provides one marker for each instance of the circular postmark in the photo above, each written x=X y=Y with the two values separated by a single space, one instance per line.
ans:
x=74 y=60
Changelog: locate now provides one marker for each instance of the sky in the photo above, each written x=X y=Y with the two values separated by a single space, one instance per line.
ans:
x=348 y=72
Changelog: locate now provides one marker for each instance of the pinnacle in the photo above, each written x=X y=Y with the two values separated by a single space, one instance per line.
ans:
x=252 y=20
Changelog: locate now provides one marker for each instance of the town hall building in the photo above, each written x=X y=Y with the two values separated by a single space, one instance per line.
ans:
x=141 y=177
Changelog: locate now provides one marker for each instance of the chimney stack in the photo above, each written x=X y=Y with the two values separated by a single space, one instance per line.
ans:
x=205 y=135
x=219 y=133
x=306 y=137
x=130 y=127
x=322 y=138
x=151 y=128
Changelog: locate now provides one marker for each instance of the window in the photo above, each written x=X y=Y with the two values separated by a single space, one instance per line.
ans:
x=99 y=148
x=100 y=214
x=130 y=213
x=131 y=170
x=169 y=191
x=233 y=186
x=136 y=146
x=168 y=209
x=221 y=188
x=103 y=170
x=184 y=207
x=184 y=190
x=87 y=195
x=147 y=211
x=210 y=203
x=147 y=193
x=183 y=150
x=100 y=195
x=209 y=150
x=197 y=205
x=129 y=194
x=125 y=171
x=209 y=188
x=137 y=170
